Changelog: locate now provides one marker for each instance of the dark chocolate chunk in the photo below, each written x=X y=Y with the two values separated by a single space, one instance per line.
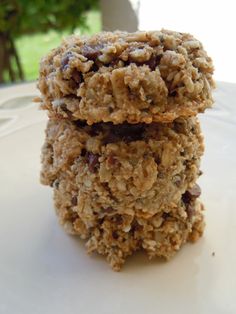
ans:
x=83 y=152
x=114 y=62
x=135 y=226
x=173 y=93
x=75 y=80
x=92 y=51
x=157 y=160
x=115 y=235
x=189 y=197
x=108 y=209
x=178 y=127
x=111 y=160
x=74 y=200
x=152 y=63
x=118 y=219
x=94 y=68
x=77 y=76
x=110 y=109
x=93 y=162
x=165 y=215
x=64 y=108
x=65 y=60
x=190 y=209
x=192 y=193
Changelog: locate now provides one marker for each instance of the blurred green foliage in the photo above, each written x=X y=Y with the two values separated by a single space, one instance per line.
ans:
x=32 y=47
x=20 y=19
x=29 y=16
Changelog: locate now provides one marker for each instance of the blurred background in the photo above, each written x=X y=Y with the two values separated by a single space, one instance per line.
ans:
x=29 y=29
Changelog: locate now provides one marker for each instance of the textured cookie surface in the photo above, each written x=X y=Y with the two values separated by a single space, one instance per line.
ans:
x=126 y=187
x=134 y=77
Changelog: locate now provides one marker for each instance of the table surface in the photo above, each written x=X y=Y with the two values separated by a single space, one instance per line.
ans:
x=43 y=270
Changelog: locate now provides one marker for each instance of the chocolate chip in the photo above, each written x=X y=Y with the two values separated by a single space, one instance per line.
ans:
x=75 y=80
x=118 y=219
x=200 y=173
x=177 y=180
x=115 y=235
x=77 y=77
x=127 y=63
x=193 y=129
x=178 y=127
x=157 y=160
x=114 y=62
x=64 y=108
x=152 y=63
x=65 y=60
x=111 y=160
x=165 y=215
x=189 y=197
x=173 y=93
x=83 y=152
x=93 y=162
x=135 y=226
x=101 y=221
x=108 y=209
x=190 y=209
x=194 y=192
x=92 y=51
x=74 y=200
x=186 y=197
x=94 y=68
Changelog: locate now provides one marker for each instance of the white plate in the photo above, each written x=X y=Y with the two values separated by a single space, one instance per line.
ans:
x=43 y=270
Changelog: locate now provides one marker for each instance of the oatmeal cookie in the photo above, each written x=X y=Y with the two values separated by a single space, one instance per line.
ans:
x=119 y=77
x=126 y=187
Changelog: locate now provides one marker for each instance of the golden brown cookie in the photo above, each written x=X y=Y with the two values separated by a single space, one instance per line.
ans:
x=126 y=187
x=121 y=77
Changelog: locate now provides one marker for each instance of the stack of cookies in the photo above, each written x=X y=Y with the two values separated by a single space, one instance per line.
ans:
x=123 y=143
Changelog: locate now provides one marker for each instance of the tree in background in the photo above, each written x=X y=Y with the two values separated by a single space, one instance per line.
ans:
x=20 y=17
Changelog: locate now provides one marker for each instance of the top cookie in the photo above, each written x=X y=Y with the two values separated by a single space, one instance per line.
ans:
x=153 y=76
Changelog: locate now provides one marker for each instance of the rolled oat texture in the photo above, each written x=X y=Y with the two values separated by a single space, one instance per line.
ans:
x=126 y=187
x=121 y=77
x=123 y=141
